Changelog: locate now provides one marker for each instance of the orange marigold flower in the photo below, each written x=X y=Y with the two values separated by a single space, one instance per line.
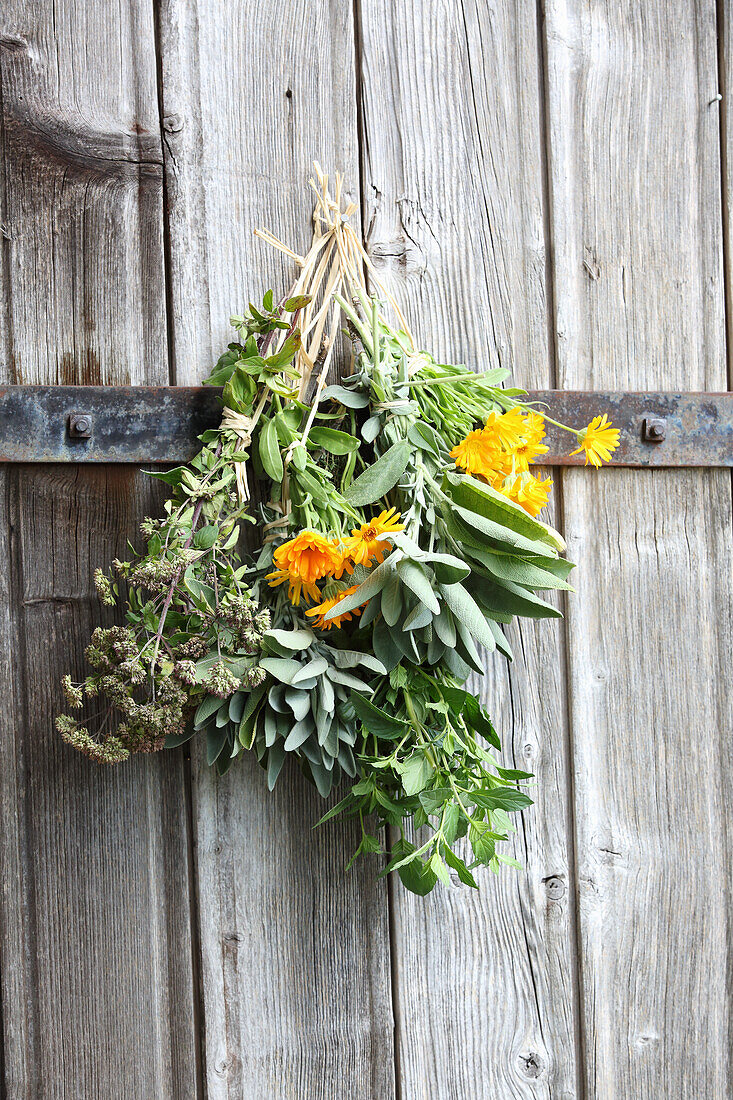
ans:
x=508 y=428
x=597 y=440
x=478 y=453
x=302 y=561
x=325 y=606
x=529 y=492
x=365 y=543
x=296 y=586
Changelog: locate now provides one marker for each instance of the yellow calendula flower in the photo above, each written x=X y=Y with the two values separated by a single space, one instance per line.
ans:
x=508 y=429
x=529 y=449
x=534 y=427
x=478 y=453
x=323 y=608
x=296 y=586
x=301 y=562
x=529 y=492
x=598 y=440
x=365 y=543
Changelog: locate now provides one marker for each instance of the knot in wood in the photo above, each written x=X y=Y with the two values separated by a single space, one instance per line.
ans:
x=172 y=124
x=531 y=1065
x=554 y=887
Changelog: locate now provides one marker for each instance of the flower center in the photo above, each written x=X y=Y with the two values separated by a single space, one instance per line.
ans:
x=369 y=534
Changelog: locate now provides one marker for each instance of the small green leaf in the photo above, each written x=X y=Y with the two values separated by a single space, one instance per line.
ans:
x=420 y=617
x=205 y=537
x=482 y=499
x=465 y=608
x=275 y=761
x=416 y=772
x=391 y=600
x=269 y=450
x=294 y=640
x=447 y=568
x=510 y=861
x=282 y=668
x=514 y=773
x=482 y=843
x=373 y=584
x=298 y=301
x=376 y=720
x=431 y=801
x=333 y=441
x=504 y=798
x=216 y=739
x=209 y=705
x=415 y=875
x=460 y=867
x=439 y=869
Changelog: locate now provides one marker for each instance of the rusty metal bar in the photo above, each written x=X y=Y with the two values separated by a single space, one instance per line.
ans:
x=148 y=425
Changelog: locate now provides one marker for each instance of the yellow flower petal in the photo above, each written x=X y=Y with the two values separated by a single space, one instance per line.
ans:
x=598 y=440
x=478 y=453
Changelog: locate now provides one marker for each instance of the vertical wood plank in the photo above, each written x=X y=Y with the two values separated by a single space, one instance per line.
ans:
x=295 y=955
x=453 y=186
x=636 y=225
x=95 y=957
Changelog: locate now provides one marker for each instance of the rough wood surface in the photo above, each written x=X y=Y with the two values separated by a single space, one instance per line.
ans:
x=295 y=955
x=637 y=230
x=96 y=969
x=541 y=190
x=454 y=218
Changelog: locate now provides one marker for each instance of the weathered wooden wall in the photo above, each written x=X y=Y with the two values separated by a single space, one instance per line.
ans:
x=542 y=186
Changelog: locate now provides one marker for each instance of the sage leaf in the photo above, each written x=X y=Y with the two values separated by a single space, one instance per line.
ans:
x=371 y=586
x=282 y=668
x=416 y=579
x=377 y=480
x=467 y=611
x=353 y=399
x=275 y=761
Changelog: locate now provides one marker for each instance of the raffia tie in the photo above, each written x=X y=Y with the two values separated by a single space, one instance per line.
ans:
x=335 y=264
x=242 y=427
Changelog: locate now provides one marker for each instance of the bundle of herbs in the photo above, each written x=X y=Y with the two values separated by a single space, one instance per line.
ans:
x=397 y=531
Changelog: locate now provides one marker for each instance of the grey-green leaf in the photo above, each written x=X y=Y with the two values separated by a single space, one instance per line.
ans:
x=377 y=480
x=373 y=584
x=465 y=608
x=416 y=578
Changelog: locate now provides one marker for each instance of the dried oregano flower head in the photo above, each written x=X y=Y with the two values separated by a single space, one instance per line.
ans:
x=192 y=626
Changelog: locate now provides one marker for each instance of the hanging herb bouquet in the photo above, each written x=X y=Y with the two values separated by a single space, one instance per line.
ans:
x=396 y=532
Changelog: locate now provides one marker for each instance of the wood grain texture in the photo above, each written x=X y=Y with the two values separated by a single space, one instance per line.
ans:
x=454 y=215
x=636 y=227
x=295 y=955
x=96 y=968
x=96 y=885
x=81 y=221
